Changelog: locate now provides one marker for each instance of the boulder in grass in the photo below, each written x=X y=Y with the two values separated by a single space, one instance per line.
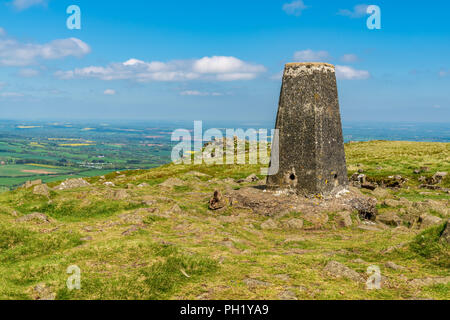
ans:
x=172 y=182
x=42 y=190
x=427 y=220
x=294 y=224
x=251 y=178
x=390 y=219
x=343 y=219
x=37 y=217
x=72 y=184
x=338 y=270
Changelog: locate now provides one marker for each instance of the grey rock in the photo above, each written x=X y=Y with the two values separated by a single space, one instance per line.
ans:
x=343 y=219
x=392 y=265
x=429 y=281
x=43 y=292
x=143 y=185
x=254 y=283
x=269 y=224
x=251 y=178
x=445 y=236
x=172 y=182
x=295 y=224
x=428 y=220
x=287 y=295
x=42 y=190
x=131 y=230
x=72 y=184
x=35 y=216
x=176 y=209
x=339 y=270
x=390 y=219
x=366 y=207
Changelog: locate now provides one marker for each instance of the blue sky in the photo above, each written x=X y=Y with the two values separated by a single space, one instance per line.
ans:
x=216 y=60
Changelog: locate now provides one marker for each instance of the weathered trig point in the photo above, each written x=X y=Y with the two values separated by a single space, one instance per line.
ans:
x=311 y=147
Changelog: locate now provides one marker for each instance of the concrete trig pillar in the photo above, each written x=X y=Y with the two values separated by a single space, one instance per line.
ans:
x=311 y=147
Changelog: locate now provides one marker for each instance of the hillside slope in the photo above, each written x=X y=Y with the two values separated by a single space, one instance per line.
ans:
x=151 y=234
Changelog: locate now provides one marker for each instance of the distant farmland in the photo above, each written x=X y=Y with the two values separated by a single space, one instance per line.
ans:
x=56 y=152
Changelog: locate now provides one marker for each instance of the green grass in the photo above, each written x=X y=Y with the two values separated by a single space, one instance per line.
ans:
x=428 y=245
x=131 y=253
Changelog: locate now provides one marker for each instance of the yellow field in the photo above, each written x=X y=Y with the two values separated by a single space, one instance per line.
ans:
x=75 y=144
x=41 y=165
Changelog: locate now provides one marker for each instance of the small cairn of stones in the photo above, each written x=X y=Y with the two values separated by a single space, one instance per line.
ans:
x=218 y=201
x=433 y=182
x=359 y=180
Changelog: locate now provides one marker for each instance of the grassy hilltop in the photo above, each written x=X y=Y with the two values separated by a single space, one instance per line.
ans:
x=149 y=234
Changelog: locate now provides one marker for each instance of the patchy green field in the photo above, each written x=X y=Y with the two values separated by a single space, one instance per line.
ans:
x=152 y=236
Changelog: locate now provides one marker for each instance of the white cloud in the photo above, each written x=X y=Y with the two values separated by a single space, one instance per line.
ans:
x=200 y=93
x=349 y=73
x=358 y=11
x=220 y=64
x=193 y=93
x=443 y=73
x=218 y=68
x=11 y=94
x=2 y=32
x=349 y=58
x=109 y=92
x=14 y=53
x=295 y=7
x=25 y=4
x=28 y=73
x=236 y=76
x=311 y=56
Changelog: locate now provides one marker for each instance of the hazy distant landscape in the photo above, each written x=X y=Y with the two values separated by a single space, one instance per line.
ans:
x=54 y=151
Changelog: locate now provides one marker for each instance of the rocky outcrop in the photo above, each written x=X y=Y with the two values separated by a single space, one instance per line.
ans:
x=366 y=207
x=338 y=270
x=389 y=218
x=172 y=182
x=251 y=178
x=269 y=224
x=294 y=224
x=120 y=194
x=33 y=183
x=343 y=219
x=429 y=281
x=42 y=190
x=428 y=220
x=72 y=184
x=43 y=292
